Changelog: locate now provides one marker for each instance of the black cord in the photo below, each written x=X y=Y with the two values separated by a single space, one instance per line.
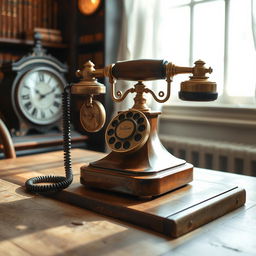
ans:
x=58 y=182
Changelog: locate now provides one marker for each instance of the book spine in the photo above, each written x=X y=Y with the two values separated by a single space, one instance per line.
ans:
x=19 y=18
x=4 y=18
x=14 y=19
x=25 y=14
x=9 y=18
x=30 y=15
x=2 y=15
x=34 y=12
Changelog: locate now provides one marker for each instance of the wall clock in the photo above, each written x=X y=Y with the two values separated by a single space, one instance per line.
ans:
x=32 y=87
x=88 y=7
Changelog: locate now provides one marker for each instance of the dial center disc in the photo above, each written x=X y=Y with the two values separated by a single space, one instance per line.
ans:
x=125 y=129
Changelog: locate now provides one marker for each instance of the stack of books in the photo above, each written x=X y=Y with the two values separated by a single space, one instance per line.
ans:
x=47 y=35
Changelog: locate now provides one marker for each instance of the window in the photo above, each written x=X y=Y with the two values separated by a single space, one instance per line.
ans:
x=220 y=32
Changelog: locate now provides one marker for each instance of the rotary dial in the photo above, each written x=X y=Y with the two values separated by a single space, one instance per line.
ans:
x=128 y=131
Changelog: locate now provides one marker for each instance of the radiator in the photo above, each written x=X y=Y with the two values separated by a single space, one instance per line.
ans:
x=216 y=155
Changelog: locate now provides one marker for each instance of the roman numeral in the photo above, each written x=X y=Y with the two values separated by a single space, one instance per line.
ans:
x=41 y=77
x=57 y=95
x=25 y=86
x=34 y=112
x=49 y=80
x=28 y=105
x=25 y=97
x=56 y=104
x=42 y=114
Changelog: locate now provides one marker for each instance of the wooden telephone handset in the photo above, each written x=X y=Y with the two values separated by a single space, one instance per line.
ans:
x=138 y=163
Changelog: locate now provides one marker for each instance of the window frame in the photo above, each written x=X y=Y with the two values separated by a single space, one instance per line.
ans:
x=224 y=99
x=215 y=117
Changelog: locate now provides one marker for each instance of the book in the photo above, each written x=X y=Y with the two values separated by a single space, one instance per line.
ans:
x=8 y=18
x=3 y=18
x=14 y=15
x=24 y=14
x=30 y=15
x=19 y=18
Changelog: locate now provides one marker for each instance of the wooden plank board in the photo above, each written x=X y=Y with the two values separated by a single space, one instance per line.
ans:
x=172 y=214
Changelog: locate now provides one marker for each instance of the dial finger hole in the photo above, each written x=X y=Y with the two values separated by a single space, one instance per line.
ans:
x=137 y=137
x=142 y=128
x=111 y=132
x=140 y=120
x=129 y=114
x=136 y=116
x=111 y=140
x=114 y=123
x=126 y=145
x=121 y=117
x=118 y=145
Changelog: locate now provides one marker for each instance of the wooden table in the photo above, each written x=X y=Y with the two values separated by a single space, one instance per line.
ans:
x=36 y=225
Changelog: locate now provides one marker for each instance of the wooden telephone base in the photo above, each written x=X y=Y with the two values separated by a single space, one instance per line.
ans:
x=149 y=171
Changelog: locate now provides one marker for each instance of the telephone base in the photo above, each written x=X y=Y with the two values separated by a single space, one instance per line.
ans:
x=137 y=185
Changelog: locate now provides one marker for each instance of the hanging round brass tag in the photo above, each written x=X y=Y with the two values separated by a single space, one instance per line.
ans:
x=92 y=116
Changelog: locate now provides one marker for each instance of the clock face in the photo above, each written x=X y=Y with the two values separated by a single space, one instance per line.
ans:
x=39 y=96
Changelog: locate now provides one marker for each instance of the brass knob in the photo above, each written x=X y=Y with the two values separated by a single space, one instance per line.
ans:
x=88 y=83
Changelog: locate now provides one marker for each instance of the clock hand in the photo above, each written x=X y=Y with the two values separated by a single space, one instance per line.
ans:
x=38 y=92
x=44 y=95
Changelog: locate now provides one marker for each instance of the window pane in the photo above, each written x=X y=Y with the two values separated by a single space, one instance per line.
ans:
x=208 y=43
x=242 y=56
x=176 y=40
x=177 y=2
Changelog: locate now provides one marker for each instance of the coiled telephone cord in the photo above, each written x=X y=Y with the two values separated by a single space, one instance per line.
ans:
x=58 y=182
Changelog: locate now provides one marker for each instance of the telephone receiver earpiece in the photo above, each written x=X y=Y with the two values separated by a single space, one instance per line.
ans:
x=198 y=88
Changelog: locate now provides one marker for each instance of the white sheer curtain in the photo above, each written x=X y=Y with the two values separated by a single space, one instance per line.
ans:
x=254 y=21
x=253 y=6
x=147 y=25
x=139 y=38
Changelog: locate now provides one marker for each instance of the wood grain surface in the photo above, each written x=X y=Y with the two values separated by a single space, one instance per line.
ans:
x=36 y=225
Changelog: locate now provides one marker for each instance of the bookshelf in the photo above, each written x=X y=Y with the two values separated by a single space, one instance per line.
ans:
x=93 y=37
x=18 y=21
x=71 y=36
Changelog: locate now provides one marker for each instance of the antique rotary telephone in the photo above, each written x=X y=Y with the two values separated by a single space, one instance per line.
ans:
x=138 y=163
